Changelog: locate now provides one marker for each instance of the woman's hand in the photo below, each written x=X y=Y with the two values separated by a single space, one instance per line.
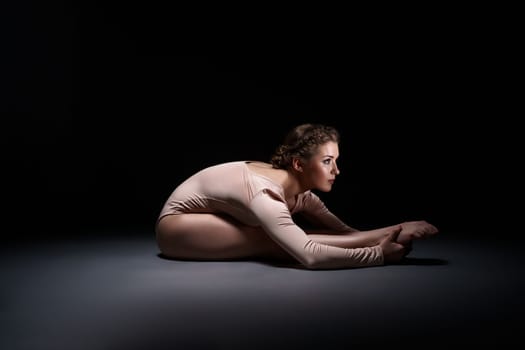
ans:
x=411 y=230
x=392 y=250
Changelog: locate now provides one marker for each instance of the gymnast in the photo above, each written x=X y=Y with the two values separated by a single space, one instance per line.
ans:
x=245 y=210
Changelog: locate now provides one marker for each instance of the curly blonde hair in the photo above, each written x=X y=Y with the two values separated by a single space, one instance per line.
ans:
x=302 y=142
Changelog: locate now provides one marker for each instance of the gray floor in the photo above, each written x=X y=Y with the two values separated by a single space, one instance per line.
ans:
x=115 y=292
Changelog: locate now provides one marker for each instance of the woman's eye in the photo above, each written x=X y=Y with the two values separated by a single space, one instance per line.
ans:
x=327 y=161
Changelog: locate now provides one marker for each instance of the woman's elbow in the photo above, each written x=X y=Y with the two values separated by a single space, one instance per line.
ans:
x=311 y=262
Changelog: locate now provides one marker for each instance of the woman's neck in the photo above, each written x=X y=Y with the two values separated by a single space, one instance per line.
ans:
x=291 y=185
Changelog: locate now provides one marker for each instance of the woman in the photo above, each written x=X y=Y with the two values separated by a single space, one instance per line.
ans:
x=243 y=209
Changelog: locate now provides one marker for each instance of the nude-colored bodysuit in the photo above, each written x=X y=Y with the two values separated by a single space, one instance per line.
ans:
x=256 y=200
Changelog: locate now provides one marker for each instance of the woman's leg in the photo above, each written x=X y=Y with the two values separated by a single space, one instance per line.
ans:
x=204 y=236
x=410 y=230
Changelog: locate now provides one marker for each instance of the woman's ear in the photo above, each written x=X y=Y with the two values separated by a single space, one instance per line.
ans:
x=297 y=164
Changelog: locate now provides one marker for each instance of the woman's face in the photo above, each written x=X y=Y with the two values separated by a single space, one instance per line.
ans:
x=319 y=172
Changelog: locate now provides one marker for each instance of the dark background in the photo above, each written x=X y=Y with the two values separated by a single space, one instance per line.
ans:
x=106 y=107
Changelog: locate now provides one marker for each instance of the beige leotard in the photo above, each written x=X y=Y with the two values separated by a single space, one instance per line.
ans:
x=256 y=200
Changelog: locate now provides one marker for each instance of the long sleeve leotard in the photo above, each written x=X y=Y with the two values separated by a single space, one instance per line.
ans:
x=256 y=200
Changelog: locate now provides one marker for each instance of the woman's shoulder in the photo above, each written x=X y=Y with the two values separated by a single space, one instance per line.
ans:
x=223 y=170
x=258 y=164
x=223 y=165
x=267 y=171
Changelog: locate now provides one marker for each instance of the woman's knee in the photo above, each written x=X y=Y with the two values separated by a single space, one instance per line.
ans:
x=169 y=234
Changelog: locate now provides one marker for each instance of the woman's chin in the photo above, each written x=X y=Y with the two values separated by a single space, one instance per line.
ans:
x=327 y=188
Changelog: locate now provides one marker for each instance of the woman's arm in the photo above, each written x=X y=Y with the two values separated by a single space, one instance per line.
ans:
x=313 y=209
x=276 y=220
x=332 y=230
x=352 y=239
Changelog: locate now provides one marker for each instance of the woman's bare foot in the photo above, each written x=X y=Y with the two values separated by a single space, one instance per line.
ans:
x=411 y=230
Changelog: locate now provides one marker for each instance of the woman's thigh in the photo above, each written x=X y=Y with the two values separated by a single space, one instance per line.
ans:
x=205 y=236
